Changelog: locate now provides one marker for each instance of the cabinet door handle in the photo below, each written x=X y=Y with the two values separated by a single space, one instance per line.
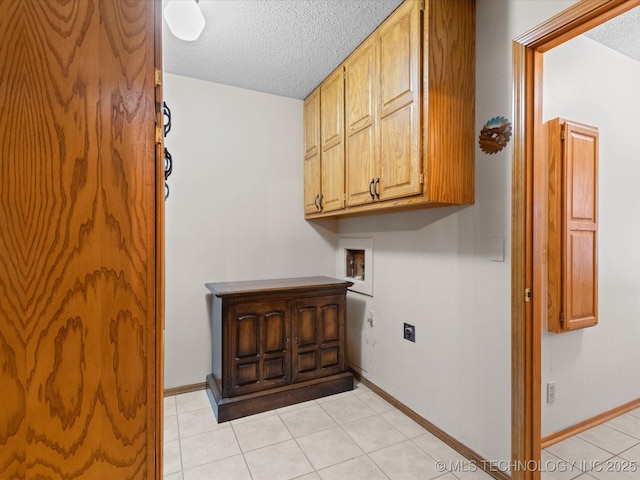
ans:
x=315 y=202
x=376 y=189
x=320 y=202
x=373 y=197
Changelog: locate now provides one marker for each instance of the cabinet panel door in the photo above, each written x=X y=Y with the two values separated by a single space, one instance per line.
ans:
x=360 y=97
x=318 y=337
x=572 y=226
x=399 y=104
x=579 y=255
x=332 y=141
x=258 y=355
x=312 y=187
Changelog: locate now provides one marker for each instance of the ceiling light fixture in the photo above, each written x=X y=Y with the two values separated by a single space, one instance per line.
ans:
x=184 y=18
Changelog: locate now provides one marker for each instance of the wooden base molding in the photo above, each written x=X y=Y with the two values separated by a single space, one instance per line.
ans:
x=185 y=389
x=465 y=451
x=230 y=408
x=589 y=423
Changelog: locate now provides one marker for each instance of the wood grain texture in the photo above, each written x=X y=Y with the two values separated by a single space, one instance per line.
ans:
x=361 y=153
x=398 y=111
x=572 y=225
x=276 y=342
x=312 y=186
x=77 y=240
x=449 y=101
x=332 y=141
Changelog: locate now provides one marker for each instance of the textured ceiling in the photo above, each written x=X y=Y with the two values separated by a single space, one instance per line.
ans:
x=284 y=47
x=287 y=47
x=621 y=33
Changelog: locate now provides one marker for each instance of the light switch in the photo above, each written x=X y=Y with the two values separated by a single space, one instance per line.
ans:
x=497 y=249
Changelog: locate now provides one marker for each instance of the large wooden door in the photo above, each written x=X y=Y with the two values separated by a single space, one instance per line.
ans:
x=80 y=259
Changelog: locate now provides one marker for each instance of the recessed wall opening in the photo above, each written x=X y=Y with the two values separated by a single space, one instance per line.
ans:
x=354 y=263
x=355 y=266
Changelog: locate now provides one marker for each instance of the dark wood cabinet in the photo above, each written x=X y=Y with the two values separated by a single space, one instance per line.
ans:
x=277 y=342
x=259 y=335
x=318 y=337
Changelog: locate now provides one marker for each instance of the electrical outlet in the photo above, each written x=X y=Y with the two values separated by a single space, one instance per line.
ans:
x=409 y=332
x=551 y=392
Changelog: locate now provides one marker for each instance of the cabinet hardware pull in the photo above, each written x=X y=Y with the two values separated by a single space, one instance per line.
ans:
x=315 y=202
x=320 y=201
x=371 y=189
x=376 y=189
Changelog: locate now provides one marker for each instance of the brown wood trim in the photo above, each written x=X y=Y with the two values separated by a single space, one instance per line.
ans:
x=159 y=253
x=573 y=21
x=185 y=389
x=430 y=427
x=230 y=408
x=525 y=410
x=526 y=320
x=589 y=423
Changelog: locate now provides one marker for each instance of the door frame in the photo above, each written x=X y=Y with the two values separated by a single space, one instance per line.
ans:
x=526 y=216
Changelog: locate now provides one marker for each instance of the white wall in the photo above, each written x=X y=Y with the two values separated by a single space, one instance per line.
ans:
x=235 y=208
x=596 y=369
x=235 y=212
x=433 y=269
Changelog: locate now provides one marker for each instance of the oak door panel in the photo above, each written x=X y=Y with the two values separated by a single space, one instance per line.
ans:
x=312 y=186
x=572 y=225
x=580 y=224
x=78 y=240
x=332 y=141
x=360 y=126
x=399 y=104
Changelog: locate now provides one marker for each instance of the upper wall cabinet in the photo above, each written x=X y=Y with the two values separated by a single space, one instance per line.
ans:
x=324 y=146
x=382 y=112
x=312 y=187
x=408 y=111
x=572 y=225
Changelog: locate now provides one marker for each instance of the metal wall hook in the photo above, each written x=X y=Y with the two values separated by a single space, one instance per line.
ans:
x=168 y=159
x=168 y=163
x=166 y=113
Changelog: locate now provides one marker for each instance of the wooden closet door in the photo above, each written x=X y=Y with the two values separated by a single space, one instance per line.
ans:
x=80 y=288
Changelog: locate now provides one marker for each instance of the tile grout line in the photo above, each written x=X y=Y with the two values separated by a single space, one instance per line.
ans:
x=244 y=459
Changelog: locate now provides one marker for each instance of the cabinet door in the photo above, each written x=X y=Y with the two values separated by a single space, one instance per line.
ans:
x=399 y=104
x=572 y=226
x=258 y=356
x=332 y=141
x=318 y=337
x=360 y=97
x=312 y=187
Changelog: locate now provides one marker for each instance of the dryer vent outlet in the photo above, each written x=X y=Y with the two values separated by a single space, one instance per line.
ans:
x=409 y=332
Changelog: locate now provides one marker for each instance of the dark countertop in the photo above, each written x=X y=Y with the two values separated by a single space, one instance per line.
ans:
x=222 y=289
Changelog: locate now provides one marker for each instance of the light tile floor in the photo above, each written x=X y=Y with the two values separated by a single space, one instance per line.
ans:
x=351 y=436
x=610 y=451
